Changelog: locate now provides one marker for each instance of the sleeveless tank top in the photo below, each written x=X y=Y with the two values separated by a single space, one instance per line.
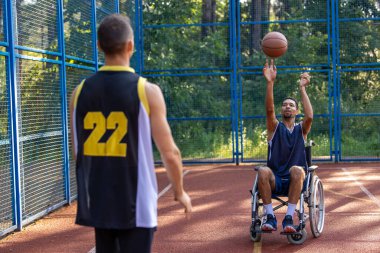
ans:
x=116 y=181
x=286 y=149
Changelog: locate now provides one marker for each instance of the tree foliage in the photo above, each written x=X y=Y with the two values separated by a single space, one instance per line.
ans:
x=174 y=41
x=184 y=37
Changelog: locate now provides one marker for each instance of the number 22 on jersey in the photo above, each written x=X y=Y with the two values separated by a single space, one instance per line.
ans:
x=99 y=124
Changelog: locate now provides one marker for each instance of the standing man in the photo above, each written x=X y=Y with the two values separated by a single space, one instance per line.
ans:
x=285 y=170
x=114 y=114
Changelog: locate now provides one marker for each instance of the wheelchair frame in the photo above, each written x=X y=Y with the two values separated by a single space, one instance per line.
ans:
x=313 y=196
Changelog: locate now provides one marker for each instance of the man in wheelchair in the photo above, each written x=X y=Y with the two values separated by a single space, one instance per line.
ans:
x=285 y=171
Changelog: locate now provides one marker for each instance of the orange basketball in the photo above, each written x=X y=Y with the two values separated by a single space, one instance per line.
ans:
x=274 y=44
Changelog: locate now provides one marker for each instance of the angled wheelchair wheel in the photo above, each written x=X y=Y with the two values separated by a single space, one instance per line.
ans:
x=255 y=236
x=257 y=219
x=298 y=238
x=317 y=207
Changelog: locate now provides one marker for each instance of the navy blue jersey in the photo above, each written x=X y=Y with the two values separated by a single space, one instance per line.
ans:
x=117 y=186
x=286 y=149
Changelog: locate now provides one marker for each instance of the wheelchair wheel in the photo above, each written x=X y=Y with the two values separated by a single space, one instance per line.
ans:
x=255 y=236
x=298 y=238
x=317 y=207
x=257 y=218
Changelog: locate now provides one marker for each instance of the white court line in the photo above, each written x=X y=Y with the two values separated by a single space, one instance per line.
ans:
x=257 y=247
x=165 y=190
x=369 y=194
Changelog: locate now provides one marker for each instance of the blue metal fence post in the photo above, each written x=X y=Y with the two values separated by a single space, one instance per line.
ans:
x=66 y=153
x=239 y=109
x=117 y=6
x=330 y=55
x=139 y=33
x=334 y=62
x=94 y=34
x=338 y=153
x=12 y=80
x=233 y=58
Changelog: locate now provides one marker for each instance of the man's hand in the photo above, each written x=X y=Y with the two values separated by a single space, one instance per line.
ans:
x=185 y=200
x=304 y=79
x=270 y=72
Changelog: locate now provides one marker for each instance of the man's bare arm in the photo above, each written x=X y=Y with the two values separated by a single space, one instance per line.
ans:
x=162 y=136
x=270 y=73
x=308 y=109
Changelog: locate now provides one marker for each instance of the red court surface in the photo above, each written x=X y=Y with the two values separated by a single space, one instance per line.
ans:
x=221 y=216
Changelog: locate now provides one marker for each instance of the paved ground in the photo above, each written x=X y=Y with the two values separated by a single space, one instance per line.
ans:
x=221 y=218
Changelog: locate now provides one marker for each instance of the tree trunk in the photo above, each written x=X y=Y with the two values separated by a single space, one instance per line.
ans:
x=286 y=10
x=255 y=30
x=208 y=16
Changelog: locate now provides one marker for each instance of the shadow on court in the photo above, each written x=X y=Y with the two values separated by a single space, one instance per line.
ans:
x=221 y=213
x=221 y=216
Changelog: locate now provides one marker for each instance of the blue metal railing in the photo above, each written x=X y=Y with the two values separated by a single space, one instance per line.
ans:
x=14 y=116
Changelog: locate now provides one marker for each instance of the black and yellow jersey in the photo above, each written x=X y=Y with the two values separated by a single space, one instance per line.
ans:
x=116 y=180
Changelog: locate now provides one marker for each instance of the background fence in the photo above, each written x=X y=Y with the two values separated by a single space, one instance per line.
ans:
x=205 y=55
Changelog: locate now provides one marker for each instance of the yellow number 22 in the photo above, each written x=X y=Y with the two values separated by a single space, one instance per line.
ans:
x=96 y=122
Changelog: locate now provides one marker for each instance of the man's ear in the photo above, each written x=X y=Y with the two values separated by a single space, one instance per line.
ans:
x=99 y=47
x=130 y=47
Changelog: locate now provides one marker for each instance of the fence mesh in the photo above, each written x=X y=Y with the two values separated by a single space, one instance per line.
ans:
x=6 y=186
x=36 y=24
x=360 y=107
x=41 y=140
x=190 y=39
x=359 y=41
x=78 y=29
x=207 y=133
x=163 y=54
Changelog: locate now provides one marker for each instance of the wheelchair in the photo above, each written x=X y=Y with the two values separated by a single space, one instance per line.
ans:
x=312 y=197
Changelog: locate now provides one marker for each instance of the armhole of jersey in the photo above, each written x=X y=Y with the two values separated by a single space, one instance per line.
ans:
x=301 y=124
x=79 y=89
x=142 y=94
x=275 y=130
x=75 y=102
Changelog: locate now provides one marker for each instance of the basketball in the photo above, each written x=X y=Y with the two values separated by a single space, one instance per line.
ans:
x=274 y=44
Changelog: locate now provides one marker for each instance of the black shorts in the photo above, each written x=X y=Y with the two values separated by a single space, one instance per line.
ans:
x=282 y=185
x=124 y=241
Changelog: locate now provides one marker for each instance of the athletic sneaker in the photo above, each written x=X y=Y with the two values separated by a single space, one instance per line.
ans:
x=270 y=224
x=287 y=225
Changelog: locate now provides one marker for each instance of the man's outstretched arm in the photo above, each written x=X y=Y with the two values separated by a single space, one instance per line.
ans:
x=270 y=73
x=308 y=109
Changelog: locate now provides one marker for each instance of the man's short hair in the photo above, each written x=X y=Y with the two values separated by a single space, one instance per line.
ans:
x=113 y=33
x=291 y=98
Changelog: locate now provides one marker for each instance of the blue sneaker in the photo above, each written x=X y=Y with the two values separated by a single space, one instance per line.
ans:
x=287 y=225
x=270 y=224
